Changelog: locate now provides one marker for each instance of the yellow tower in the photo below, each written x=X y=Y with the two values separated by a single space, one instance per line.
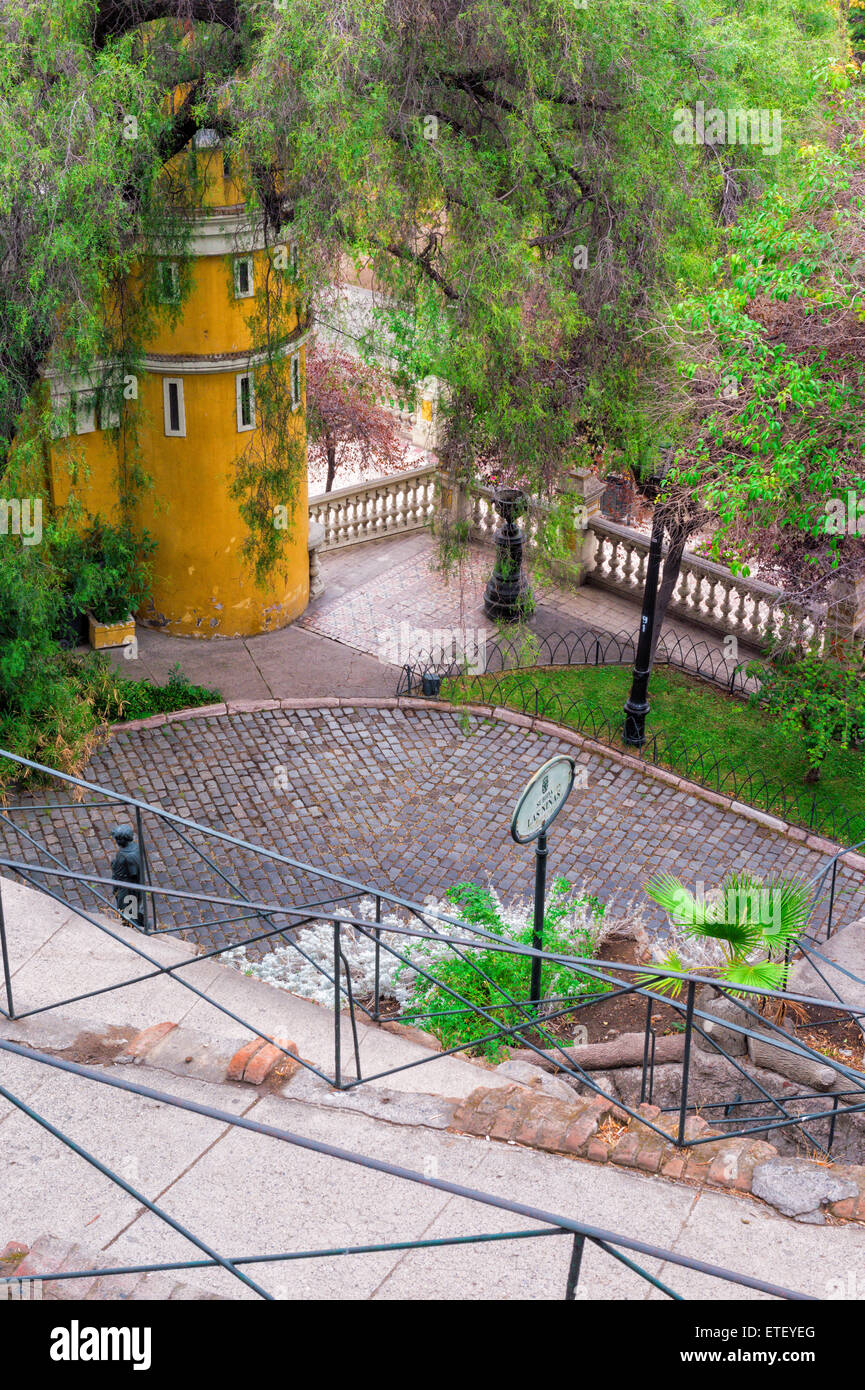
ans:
x=197 y=415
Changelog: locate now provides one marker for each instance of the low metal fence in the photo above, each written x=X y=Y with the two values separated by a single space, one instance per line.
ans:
x=586 y=646
x=254 y=920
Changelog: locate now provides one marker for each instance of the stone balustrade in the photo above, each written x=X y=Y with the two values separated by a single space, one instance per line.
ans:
x=705 y=594
x=378 y=507
x=614 y=558
x=608 y=556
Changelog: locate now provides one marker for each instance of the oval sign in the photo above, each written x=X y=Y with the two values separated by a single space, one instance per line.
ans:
x=543 y=798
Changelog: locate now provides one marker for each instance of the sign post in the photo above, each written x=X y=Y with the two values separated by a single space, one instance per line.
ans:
x=541 y=800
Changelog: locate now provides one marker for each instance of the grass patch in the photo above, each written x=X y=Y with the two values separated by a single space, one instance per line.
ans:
x=95 y=696
x=691 y=718
x=115 y=698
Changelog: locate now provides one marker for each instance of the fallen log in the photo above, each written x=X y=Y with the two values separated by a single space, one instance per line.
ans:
x=624 y=1051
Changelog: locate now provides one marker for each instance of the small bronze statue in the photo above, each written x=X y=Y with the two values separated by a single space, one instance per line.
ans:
x=126 y=866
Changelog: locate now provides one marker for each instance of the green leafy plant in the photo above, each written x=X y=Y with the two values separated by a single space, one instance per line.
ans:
x=41 y=714
x=114 y=697
x=484 y=976
x=79 y=577
x=741 y=933
x=121 y=556
x=816 y=700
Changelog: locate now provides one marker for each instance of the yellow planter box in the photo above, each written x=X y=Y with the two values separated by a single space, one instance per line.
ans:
x=110 y=634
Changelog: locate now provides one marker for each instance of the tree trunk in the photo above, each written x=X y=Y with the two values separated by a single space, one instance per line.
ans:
x=669 y=575
x=330 y=449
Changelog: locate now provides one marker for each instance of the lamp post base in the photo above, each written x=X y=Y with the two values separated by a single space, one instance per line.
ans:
x=635 y=723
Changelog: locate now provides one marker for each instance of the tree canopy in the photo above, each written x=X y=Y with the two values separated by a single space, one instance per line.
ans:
x=507 y=166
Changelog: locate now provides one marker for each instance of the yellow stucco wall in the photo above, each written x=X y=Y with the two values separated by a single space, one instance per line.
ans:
x=203 y=585
x=212 y=320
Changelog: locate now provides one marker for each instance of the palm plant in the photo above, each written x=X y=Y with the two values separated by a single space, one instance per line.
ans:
x=742 y=932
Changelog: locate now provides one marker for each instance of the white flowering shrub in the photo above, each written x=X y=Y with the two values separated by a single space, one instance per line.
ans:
x=575 y=924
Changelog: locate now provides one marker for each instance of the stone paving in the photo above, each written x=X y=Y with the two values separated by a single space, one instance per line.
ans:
x=372 y=593
x=369 y=600
x=409 y=801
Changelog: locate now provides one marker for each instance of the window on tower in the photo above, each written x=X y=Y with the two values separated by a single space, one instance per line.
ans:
x=169 y=282
x=243 y=286
x=174 y=409
x=85 y=412
x=295 y=381
x=245 y=402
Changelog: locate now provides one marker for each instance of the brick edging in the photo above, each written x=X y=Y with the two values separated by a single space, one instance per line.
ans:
x=167 y=1045
x=597 y=1129
x=524 y=721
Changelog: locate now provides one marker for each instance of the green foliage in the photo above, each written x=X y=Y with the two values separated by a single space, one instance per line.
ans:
x=114 y=697
x=700 y=732
x=41 y=716
x=102 y=567
x=817 y=701
x=753 y=923
x=55 y=708
x=122 y=557
x=484 y=976
x=552 y=131
x=769 y=352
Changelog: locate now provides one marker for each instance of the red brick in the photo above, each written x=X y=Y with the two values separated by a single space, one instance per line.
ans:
x=238 y=1064
x=725 y=1166
x=626 y=1150
x=597 y=1151
x=528 y=1131
x=649 y=1158
x=263 y=1062
x=140 y=1045
x=13 y=1252
x=697 y=1168
x=579 y=1133
x=695 y=1127
x=845 y=1208
x=551 y=1135
x=674 y=1167
x=649 y=1112
x=471 y=1123
x=504 y=1125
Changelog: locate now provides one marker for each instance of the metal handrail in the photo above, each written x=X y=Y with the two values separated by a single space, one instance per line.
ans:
x=461 y=936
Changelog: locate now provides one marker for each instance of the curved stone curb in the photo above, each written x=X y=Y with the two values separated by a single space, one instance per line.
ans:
x=523 y=721
x=521 y=1115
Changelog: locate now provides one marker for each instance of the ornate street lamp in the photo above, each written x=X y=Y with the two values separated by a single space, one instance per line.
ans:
x=508 y=595
x=637 y=703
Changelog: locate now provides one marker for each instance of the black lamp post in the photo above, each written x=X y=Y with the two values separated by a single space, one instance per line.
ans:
x=637 y=703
